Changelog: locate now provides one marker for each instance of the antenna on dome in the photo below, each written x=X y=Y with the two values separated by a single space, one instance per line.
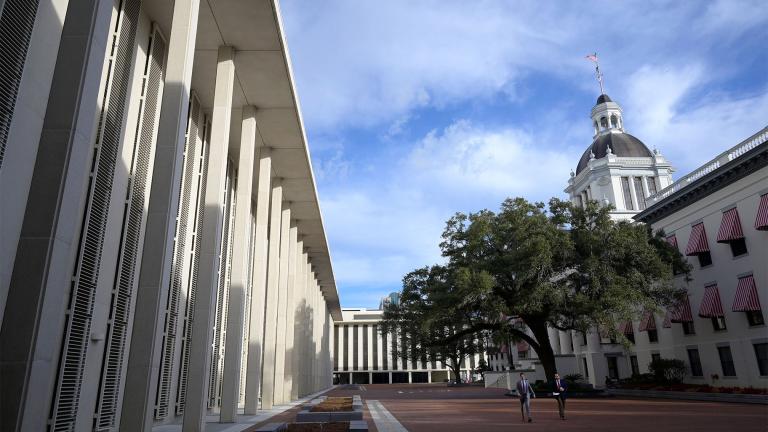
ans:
x=599 y=75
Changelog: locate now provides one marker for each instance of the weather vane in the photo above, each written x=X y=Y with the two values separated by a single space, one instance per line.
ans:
x=599 y=75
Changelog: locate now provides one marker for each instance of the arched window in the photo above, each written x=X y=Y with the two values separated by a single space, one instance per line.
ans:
x=614 y=121
x=603 y=122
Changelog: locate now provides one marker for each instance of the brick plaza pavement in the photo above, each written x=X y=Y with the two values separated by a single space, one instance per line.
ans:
x=436 y=407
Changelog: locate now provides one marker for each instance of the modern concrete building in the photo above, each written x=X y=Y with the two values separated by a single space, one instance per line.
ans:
x=364 y=355
x=162 y=251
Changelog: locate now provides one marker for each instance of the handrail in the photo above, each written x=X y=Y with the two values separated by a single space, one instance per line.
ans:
x=727 y=156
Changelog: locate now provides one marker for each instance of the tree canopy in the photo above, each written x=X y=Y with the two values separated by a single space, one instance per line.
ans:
x=557 y=266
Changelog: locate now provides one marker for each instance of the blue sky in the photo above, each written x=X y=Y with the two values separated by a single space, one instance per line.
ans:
x=417 y=110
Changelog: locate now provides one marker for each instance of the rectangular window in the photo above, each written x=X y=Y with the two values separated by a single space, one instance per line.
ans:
x=355 y=346
x=705 y=259
x=738 y=247
x=761 y=353
x=586 y=369
x=365 y=347
x=384 y=356
x=653 y=336
x=627 y=193
x=718 y=323
x=695 y=361
x=335 y=347
x=655 y=357
x=651 y=182
x=613 y=367
x=688 y=328
x=755 y=318
x=635 y=366
x=394 y=350
x=346 y=347
x=640 y=193
x=726 y=361
x=375 y=343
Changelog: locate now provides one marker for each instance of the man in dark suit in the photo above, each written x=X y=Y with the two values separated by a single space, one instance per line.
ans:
x=559 y=387
x=525 y=393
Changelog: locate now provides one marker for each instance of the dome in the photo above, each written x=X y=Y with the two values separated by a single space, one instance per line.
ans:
x=603 y=98
x=622 y=145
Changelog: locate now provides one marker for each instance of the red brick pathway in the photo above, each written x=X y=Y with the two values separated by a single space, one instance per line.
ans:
x=425 y=408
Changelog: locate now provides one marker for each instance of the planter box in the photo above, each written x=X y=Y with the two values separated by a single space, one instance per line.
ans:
x=354 y=426
x=307 y=416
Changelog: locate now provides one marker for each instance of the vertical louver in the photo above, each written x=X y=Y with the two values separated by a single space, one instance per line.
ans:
x=248 y=294
x=199 y=171
x=110 y=385
x=79 y=312
x=17 y=19
x=222 y=294
x=181 y=258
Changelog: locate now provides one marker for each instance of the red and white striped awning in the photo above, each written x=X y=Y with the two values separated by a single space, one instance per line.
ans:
x=711 y=307
x=697 y=243
x=672 y=240
x=648 y=322
x=626 y=328
x=730 y=227
x=761 y=221
x=746 y=299
x=682 y=312
x=522 y=346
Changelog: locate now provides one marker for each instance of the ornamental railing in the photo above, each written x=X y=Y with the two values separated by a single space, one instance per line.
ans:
x=723 y=158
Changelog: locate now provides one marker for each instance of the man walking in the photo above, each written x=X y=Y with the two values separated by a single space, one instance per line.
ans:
x=525 y=393
x=559 y=387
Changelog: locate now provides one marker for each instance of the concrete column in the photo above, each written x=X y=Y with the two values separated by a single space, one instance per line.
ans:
x=259 y=289
x=230 y=392
x=210 y=244
x=294 y=346
x=285 y=247
x=154 y=279
x=288 y=314
x=36 y=296
x=390 y=378
x=270 y=308
x=565 y=342
x=371 y=341
x=341 y=347
x=316 y=336
x=307 y=325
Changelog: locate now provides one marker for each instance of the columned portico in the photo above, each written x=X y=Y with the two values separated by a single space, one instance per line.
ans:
x=172 y=211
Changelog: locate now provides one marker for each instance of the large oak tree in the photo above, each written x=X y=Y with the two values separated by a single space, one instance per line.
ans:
x=560 y=266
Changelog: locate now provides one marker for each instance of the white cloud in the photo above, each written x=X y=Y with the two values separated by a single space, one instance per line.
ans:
x=391 y=224
x=367 y=63
x=689 y=132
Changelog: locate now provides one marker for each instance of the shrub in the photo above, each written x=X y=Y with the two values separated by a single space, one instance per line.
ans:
x=573 y=378
x=668 y=370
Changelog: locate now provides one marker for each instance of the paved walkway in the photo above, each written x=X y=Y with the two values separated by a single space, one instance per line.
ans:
x=425 y=408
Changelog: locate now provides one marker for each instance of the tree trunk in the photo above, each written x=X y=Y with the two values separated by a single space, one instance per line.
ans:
x=456 y=369
x=544 y=351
